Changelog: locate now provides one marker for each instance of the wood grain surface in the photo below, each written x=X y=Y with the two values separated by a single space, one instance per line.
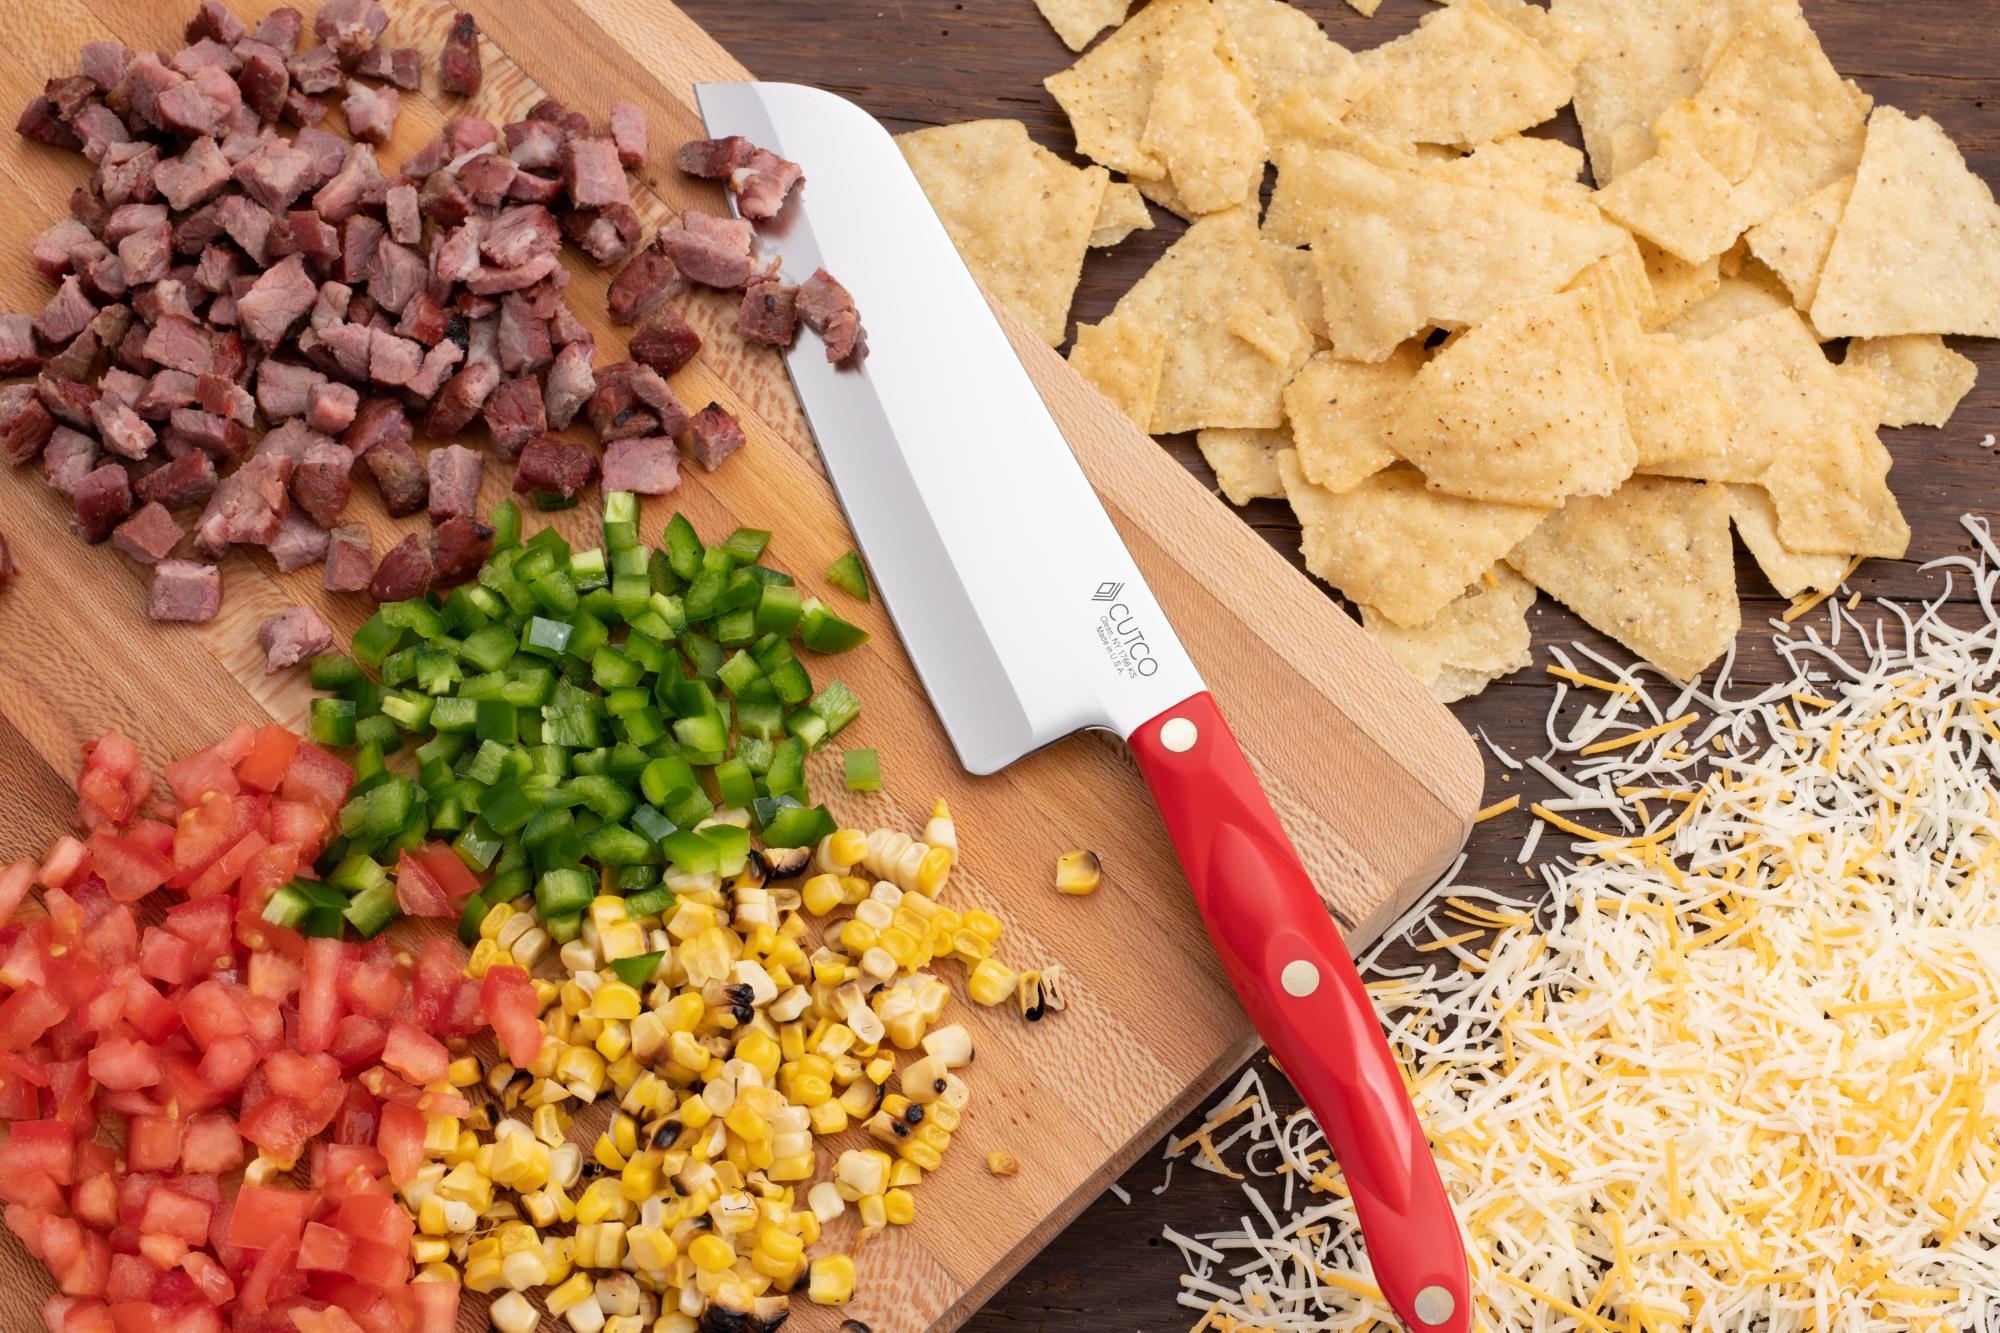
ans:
x=1374 y=780
x=929 y=62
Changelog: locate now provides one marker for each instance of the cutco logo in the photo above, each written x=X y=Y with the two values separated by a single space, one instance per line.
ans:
x=1123 y=639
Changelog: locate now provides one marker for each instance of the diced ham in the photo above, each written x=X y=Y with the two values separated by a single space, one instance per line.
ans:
x=299 y=542
x=350 y=27
x=280 y=28
x=606 y=234
x=524 y=345
x=129 y=172
x=213 y=20
x=461 y=399
x=399 y=476
x=84 y=358
x=41 y=122
x=104 y=63
x=714 y=159
x=535 y=145
x=168 y=299
x=518 y=234
x=648 y=465
x=485 y=180
x=371 y=112
x=645 y=284
x=302 y=110
x=360 y=237
x=402 y=66
x=592 y=174
x=216 y=267
x=716 y=252
x=632 y=400
x=247 y=223
x=396 y=276
x=569 y=384
x=66 y=400
x=330 y=407
x=350 y=558
x=146 y=255
x=392 y=360
x=379 y=422
x=460 y=67
x=713 y=435
x=25 y=423
x=667 y=343
x=762 y=184
x=67 y=313
x=493 y=281
x=406 y=223
x=405 y=572
x=184 y=590
x=455 y=473
x=276 y=301
x=263 y=79
x=322 y=481
x=284 y=388
x=276 y=174
x=103 y=499
x=183 y=108
x=51 y=248
x=210 y=432
x=769 y=313
x=438 y=365
x=304 y=232
x=341 y=197
x=247 y=507
x=554 y=465
x=178 y=342
x=17 y=345
x=187 y=481
x=424 y=320
x=515 y=415
x=123 y=431
x=459 y=546
x=165 y=391
x=628 y=133
x=141 y=85
x=149 y=536
x=348 y=345
x=120 y=387
x=292 y=636
x=68 y=458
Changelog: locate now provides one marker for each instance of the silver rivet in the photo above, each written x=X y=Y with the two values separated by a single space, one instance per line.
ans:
x=1300 y=978
x=1178 y=734
x=1434 y=1305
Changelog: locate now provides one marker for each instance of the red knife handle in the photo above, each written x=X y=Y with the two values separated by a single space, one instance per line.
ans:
x=1294 y=975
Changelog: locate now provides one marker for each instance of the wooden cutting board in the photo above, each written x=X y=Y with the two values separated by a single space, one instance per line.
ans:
x=1376 y=782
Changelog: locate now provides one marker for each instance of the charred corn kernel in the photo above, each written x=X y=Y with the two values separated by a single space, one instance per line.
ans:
x=821 y=894
x=641 y=1178
x=429 y=1249
x=1028 y=995
x=624 y=1134
x=900 y=1207
x=529 y=948
x=511 y=1313
x=625 y=940
x=832 y=1280
x=860 y=1097
x=1078 y=873
x=778 y=1254
x=970 y=947
x=441 y=1135
x=572 y=1290
x=541 y=1207
x=830 y=970
x=991 y=982
x=711 y=1254
x=861 y=1171
x=484 y=955
x=758 y=1050
x=1003 y=1163
x=858 y=937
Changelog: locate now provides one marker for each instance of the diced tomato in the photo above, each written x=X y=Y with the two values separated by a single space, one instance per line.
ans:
x=211 y=1011
x=401 y=1142
x=375 y=1265
x=359 y=1116
x=227 y=1064
x=210 y=924
x=15 y=881
x=153 y=1143
x=79 y=1260
x=325 y=1248
x=452 y=875
x=26 y=1071
x=18 y=1098
x=169 y=1212
x=268 y=1214
x=307 y=1078
x=508 y=998
x=273 y=976
x=273 y=1268
x=209 y=1278
x=153 y=1014
x=358 y=1040
x=27 y=1014
x=122 y=1064
x=129 y=868
x=210 y=1144
x=269 y=758
x=418 y=892
x=114 y=939
x=63 y=863
x=206 y=831
x=113 y=785
x=165 y=956
x=318 y=779
x=33 y=1189
x=268 y=871
x=319 y=1000
x=70 y=1085
x=376 y=1219
x=210 y=770
x=445 y=999
x=224 y=872
x=278 y=1125
x=428 y=1307
x=415 y=1054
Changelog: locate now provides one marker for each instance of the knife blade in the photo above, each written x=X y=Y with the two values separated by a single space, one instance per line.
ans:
x=1027 y=619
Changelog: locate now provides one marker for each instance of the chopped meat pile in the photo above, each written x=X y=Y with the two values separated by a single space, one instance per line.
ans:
x=290 y=637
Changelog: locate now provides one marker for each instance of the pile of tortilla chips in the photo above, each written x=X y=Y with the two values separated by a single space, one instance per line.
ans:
x=1470 y=373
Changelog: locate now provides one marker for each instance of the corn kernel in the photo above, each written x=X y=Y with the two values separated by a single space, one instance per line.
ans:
x=832 y=1280
x=711 y=1254
x=900 y=1207
x=569 y=1293
x=991 y=982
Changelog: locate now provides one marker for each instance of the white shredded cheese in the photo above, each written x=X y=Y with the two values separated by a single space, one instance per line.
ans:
x=1739 y=1072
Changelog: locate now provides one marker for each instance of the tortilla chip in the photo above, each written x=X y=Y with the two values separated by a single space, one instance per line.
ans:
x=1122 y=357
x=1833 y=498
x=1245 y=462
x=1122 y=213
x=1622 y=285
x=1304 y=121
x=1393 y=544
x=1721 y=136
x=1810 y=127
x=1201 y=123
x=1286 y=52
x=1539 y=26
x=1522 y=408
x=1480 y=637
x=1338 y=411
x=1398 y=252
x=1924 y=379
x=1783 y=392
x=1294 y=268
x=1215 y=278
x=1676 y=285
x=1678 y=201
x=1020 y=216
x=1793 y=244
x=1365 y=8
x=1918 y=249
x=1464 y=76
x=1106 y=94
x=1789 y=572
x=1753 y=293
x=1526 y=163
x=1077 y=21
x=1638 y=60
x=1675 y=405
x=1650 y=565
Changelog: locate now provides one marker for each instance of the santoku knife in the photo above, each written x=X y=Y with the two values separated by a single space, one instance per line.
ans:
x=1028 y=620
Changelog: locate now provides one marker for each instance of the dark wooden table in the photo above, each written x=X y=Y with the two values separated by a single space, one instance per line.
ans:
x=930 y=62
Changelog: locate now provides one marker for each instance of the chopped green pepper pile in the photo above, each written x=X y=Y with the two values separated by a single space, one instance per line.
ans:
x=578 y=718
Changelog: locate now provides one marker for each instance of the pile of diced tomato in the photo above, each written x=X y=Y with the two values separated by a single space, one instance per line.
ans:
x=204 y=1039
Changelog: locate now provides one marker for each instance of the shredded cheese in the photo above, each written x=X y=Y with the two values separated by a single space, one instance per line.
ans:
x=1740 y=1070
